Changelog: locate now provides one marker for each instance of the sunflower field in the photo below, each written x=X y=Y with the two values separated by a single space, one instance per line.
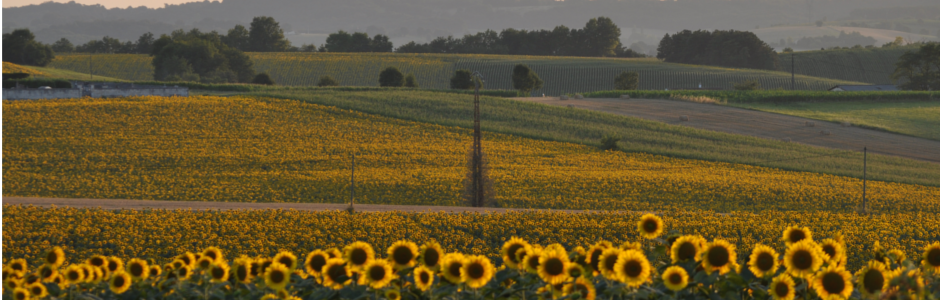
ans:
x=659 y=260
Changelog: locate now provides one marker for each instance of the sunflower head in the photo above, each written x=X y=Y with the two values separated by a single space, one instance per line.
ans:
x=833 y=249
x=187 y=258
x=54 y=257
x=37 y=290
x=287 y=259
x=763 y=261
x=392 y=294
x=782 y=288
x=74 y=274
x=94 y=274
x=31 y=278
x=358 y=254
x=213 y=253
x=403 y=254
x=184 y=272
x=931 y=256
x=204 y=262
x=315 y=261
x=335 y=273
x=873 y=279
x=631 y=246
x=114 y=264
x=219 y=271
x=531 y=260
x=553 y=265
x=451 y=266
x=650 y=226
x=803 y=258
x=8 y=273
x=430 y=255
x=593 y=256
x=578 y=255
x=606 y=262
x=178 y=263
x=897 y=256
x=242 y=270
x=582 y=286
x=675 y=278
x=686 y=248
x=13 y=283
x=154 y=271
x=477 y=270
x=119 y=282
x=21 y=294
x=138 y=269
x=378 y=273
x=18 y=265
x=424 y=278
x=833 y=281
x=794 y=234
x=632 y=267
x=276 y=276
x=719 y=255
x=334 y=253
x=47 y=273
x=509 y=249
x=575 y=270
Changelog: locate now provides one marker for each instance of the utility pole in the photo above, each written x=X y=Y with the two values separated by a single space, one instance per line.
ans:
x=864 y=178
x=476 y=198
x=792 y=72
x=352 y=186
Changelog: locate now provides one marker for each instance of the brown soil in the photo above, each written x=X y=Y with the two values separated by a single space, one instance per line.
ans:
x=759 y=124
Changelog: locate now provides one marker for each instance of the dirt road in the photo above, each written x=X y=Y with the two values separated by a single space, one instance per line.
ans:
x=759 y=124
x=112 y=204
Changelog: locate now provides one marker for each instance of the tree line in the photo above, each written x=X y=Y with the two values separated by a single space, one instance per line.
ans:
x=725 y=48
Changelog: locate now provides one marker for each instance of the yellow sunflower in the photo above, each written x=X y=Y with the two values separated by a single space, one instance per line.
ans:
x=204 y=262
x=451 y=265
x=9 y=273
x=403 y=254
x=47 y=273
x=392 y=294
x=54 y=257
x=803 y=258
x=833 y=249
x=31 y=278
x=477 y=270
x=137 y=268
x=219 y=272
x=114 y=264
x=873 y=279
x=650 y=226
x=13 y=283
x=508 y=252
x=583 y=286
x=424 y=278
x=632 y=267
x=931 y=259
x=119 y=282
x=763 y=261
x=606 y=262
x=593 y=256
x=187 y=258
x=575 y=270
x=686 y=247
x=675 y=278
x=184 y=273
x=782 y=288
x=315 y=261
x=358 y=254
x=579 y=256
x=287 y=259
x=833 y=281
x=20 y=294
x=430 y=255
x=793 y=235
x=378 y=273
x=95 y=275
x=552 y=266
x=213 y=253
x=531 y=259
x=74 y=274
x=154 y=271
x=334 y=253
x=719 y=255
x=242 y=270
x=18 y=265
x=335 y=273
x=631 y=246
x=37 y=290
x=179 y=263
x=276 y=276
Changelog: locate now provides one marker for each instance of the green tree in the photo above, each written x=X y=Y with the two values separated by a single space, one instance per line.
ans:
x=525 y=80
x=326 y=80
x=237 y=38
x=391 y=77
x=263 y=78
x=199 y=56
x=63 y=45
x=919 y=70
x=21 y=47
x=627 y=81
x=601 y=37
x=145 y=43
x=266 y=35
x=461 y=80
x=411 y=81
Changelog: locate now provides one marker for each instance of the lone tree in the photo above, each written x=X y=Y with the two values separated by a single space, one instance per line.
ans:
x=326 y=80
x=263 y=78
x=21 y=47
x=63 y=45
x=627 y=81
x=525 y=80
x=391 y=76
x=461 y=80
x=919 y=70
x=411 y=81
x=266 y=35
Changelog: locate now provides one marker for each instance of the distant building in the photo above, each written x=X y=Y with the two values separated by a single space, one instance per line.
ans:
x=864 y=88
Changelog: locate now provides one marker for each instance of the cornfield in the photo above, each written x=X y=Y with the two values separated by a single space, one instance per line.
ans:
x=561 y=74
x=76 y=253
x=206 y=148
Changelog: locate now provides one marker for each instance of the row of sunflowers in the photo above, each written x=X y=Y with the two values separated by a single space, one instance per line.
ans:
x=268 y=150
x=666 y=267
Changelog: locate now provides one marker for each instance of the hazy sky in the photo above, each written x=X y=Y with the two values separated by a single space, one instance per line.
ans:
x=106 y=3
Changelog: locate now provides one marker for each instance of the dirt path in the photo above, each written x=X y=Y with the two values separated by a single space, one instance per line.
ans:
x=205 y=205
x=759 y=124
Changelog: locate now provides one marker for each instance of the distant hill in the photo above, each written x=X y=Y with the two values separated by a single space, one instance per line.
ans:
x=773 y=35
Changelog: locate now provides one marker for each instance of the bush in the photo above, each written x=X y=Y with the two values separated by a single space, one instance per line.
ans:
x=15 y=76
x=20 y=47
x=326 y=80
x=263 y=78
x=748 y=85
x=392 y=77
x=410 y=81
x=462 y=80
x=609 y=142
x=525 y=80
x=627 y=81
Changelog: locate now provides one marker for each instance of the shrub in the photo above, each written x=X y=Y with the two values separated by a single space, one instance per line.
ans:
x=627 y=81
x=609 y=142
x=462 y=80
x=326 y=80
x=263 y=78
x=410 y=81
x=525 y=80
x=392 y=77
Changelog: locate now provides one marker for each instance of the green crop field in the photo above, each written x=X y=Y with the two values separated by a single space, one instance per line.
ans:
x=872 y=66
x=561 y=74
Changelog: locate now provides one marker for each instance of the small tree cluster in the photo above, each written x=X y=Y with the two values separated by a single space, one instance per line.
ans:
x=356 y=42
x=327 y=81
x=462 y=80
x=197 y=56
x=627 y=81
x=21 y=47
x=525 y=80
x=919 y=70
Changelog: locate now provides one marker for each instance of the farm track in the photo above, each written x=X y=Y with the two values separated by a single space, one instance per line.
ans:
x=760 y=124
x=114 y=204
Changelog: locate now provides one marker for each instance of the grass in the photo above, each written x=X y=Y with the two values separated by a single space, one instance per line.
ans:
x=773 y=96
x=586 y=127
x=914 y=118
x=53 y=73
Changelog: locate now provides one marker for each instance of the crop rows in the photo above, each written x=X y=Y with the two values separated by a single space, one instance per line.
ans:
x=135 y=67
